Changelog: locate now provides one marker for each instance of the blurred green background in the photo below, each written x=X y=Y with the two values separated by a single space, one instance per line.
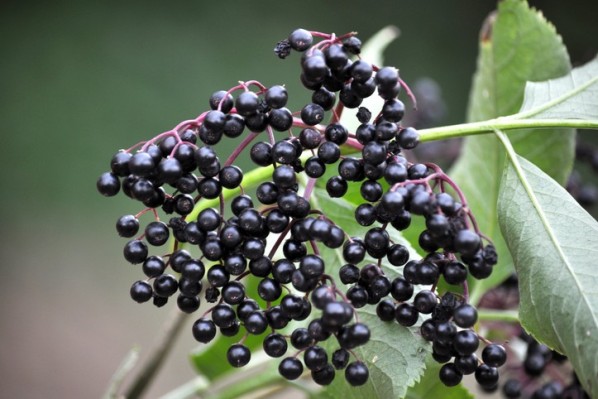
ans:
x=80 y=80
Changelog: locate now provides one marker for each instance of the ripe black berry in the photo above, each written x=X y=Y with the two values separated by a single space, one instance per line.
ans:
x=238 y=355
x=290 y=368
x=486 y=376
x=357 y=373
x=269 y=289
x=300 y=39
x=127 y=226
x=450 y=375
x=165 y=285
x=312 y=114
x=494 y=355
x=465 y=316
x=157 y=233
x=108 y=184
x=135 y=251
x=204 y=330
x=406 y=314
x=141 y=291
x=275 y=345
x=276 y=96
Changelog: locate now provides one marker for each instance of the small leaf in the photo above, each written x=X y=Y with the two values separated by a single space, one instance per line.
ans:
x=554 y=244
x=431 y=387
x=517 y=45
x=573 y=96
x=395 y=355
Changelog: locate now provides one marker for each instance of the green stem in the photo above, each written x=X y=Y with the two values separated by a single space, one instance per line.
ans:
x=121 y=373
x=190 y=389
x=261 y=375
x=171 y=330
x=502 y=123
x=509 y=316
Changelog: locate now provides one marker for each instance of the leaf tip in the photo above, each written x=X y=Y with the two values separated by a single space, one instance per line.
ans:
x=486 y=31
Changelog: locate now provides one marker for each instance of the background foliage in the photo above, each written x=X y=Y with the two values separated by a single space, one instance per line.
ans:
x=80 y=79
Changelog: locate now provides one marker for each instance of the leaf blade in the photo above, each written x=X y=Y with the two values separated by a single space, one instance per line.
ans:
x=573 y=96
x=518 y=45
x=430 y=386
x=537 y=216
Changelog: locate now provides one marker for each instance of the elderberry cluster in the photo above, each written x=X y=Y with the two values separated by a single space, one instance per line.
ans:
x=223 y=240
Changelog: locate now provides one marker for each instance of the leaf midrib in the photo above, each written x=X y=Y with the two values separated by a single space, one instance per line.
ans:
x=529 y=191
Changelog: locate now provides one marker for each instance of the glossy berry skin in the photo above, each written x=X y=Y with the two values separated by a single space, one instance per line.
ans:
x=281 y=119
x=494 y=355
x=204 y=330
x=425 y=301
x=315 y=357
x=340 y=358
x=406 y=314
x=135 y=251
x=454 y=273
x=141 y=291
x=127 y=226
x=276 y=96
x=467 y=364
x=300 y=39
x=120 y=163
x=269 y=289
x=165 y=285
x=357 y=373
x=465 y=316
x=323 y=376
x=312 y=114
x=247 y=103
x=221 y=99
x=486 y=376
x=290 y=368
x=108 y=184
x=275 y=345
x=256 y=323
x=153 y=266
x=401 y=289
x=336 y=186
x=466 y=342
x=450 y=375
x=188 y=304
x=408 y=138
x=223 y=316
x=157 y=233
x=238 y=355
x=467 y=242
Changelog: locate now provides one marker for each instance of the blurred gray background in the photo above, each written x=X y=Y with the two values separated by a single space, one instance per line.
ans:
x=80 y=80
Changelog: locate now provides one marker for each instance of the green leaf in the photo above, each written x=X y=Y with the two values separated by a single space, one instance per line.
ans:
x=395 y=355
x=430 y=386
x=573 y=96
x=554 y=244
x=517 y=45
